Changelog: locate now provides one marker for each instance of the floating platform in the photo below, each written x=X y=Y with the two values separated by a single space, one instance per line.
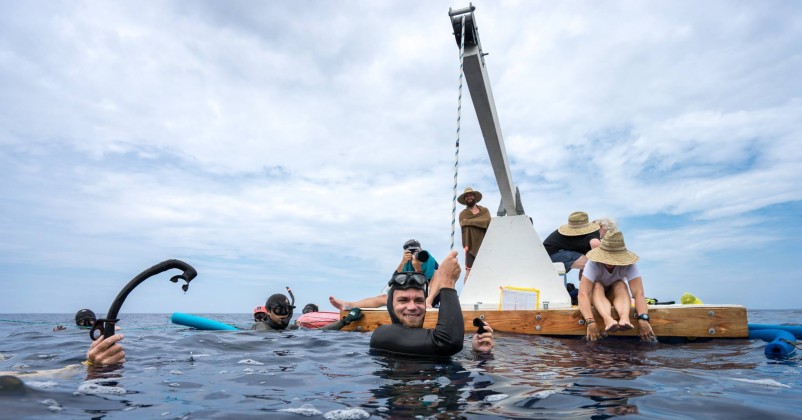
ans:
x=711 y=321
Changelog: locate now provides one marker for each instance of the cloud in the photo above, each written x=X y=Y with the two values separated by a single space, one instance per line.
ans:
x=289 y=142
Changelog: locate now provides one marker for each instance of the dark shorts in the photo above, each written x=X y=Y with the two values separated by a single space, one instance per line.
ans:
x=436 y=301
x=566 y=257
x=469 y=259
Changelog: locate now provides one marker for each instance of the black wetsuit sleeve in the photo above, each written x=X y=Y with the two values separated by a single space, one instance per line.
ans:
x=444 y=340
x=336 y=325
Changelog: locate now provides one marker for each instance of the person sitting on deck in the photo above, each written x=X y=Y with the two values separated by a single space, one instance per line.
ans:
x=608 y=273
x=570 y=242
x=606 y=225
x=414 y=259
x=406 y=305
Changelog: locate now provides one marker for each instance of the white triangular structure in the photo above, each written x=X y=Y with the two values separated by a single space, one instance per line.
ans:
x=512 y=255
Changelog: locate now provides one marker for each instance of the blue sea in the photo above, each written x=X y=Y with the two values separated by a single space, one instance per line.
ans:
x=177 y=372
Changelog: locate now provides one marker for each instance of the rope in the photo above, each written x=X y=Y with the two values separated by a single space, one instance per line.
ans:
x=459 y=117
x=795 y=345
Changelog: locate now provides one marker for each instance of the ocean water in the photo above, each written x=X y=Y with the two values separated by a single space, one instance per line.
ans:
x=176 y=372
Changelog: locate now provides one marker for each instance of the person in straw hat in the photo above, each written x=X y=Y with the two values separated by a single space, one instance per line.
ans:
x=570 y=242
x=474 y=221
x=608 y=273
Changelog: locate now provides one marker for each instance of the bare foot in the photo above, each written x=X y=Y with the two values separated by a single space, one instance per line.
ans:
x=611 y=327
x=624 y=325
x=339 y=304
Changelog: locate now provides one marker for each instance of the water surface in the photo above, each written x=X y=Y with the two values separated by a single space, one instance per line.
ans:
x=176 y=372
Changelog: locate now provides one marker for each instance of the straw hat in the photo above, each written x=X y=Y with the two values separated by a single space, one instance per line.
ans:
x=476 y=194
x=578 y=224
x=613 y=251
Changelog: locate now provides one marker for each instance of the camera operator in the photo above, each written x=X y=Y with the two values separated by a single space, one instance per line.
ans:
x=414 y=259
x=417 y=259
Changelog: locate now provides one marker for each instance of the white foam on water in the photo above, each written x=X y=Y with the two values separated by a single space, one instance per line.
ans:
x=52 y=405
x=307 y=410
x=41 y=385
x=429 y=398
x=348 y=414
x=93 y=387
x=764 y=382
x=544 y=394
x=250 y=362
x=496 y=397
x=176 y=372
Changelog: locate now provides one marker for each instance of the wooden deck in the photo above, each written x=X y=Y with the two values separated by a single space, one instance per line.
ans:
x=712 y=321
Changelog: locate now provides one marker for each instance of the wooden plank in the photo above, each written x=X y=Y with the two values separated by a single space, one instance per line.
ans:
x=714 y=321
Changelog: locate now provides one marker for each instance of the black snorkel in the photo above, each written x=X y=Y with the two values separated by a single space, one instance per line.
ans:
x=107 y=325
x=292 y=296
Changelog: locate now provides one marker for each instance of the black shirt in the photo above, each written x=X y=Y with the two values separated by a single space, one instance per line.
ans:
x=557 y=241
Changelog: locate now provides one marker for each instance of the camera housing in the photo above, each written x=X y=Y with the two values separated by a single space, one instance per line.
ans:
x=419 y=254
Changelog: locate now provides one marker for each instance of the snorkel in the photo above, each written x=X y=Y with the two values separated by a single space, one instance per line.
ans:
x=107 y=325
x=280 y=301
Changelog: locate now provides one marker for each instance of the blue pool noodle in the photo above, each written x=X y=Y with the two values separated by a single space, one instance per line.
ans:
x=200 y=322
x=776 y=346
x=793 y=329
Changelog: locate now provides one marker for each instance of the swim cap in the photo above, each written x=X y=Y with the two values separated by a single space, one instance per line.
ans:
x=85 y=318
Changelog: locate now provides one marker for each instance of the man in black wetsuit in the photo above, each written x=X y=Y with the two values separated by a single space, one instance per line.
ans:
x=406 y=303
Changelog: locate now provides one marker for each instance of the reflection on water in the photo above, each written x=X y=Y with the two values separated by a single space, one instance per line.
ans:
x=176 y=372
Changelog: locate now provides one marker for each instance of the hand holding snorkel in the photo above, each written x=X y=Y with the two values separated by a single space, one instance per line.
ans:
x=106 y=325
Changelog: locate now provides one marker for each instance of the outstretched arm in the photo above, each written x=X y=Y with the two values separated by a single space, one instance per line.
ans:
x=644 y=327
x=585 y=308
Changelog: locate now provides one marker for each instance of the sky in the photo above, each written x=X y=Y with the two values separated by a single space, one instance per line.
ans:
x=273 y=144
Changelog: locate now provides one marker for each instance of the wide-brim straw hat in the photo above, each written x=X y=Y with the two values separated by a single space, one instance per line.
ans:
x=613 y=251
x=578 y=224
x=476 y=195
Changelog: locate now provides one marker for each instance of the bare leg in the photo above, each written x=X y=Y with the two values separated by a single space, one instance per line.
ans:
x=339 y=303
x=622 y=305
x=371 y=302
x=602 y=305
x=434 y=289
